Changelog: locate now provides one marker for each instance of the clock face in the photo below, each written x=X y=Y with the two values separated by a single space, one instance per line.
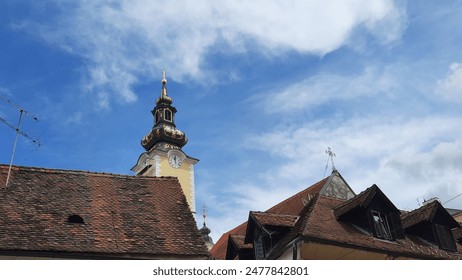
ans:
x=175 y=160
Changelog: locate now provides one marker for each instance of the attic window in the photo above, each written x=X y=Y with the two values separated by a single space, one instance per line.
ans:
x=75 y=219
x=259 y=250
x=381 y=226
x=444 y=238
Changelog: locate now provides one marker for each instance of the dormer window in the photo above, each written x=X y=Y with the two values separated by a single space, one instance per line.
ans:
x=381 y=226
x=75 y=219
x=444 y=238
x=433 y=223
x=259 y=249
x=372 y=212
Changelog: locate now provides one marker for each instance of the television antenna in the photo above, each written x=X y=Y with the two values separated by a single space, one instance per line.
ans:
x=22 y=112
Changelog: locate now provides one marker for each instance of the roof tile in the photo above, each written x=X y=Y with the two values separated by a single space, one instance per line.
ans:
x=122 y=214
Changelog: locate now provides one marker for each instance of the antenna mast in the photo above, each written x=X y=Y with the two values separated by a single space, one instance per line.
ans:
x=18 y=131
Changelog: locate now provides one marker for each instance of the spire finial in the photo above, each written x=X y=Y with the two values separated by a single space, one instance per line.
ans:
x=164 y=77
x=204 y=213
x=164 y=83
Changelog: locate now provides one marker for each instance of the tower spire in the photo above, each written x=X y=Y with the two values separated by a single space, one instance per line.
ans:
x=164 y=135
x=205 y=231
x=163 y=92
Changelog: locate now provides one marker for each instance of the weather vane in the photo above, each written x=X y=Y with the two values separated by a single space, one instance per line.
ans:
x=331 y=156
x=204 y=213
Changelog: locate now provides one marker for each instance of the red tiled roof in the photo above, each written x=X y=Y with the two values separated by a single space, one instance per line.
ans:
x=322 y=227
x=295 y=204
x=218 y=250
x=124 y=216
x=312 y=217
x=239 y=241
x=277 y=220
x=361 y=200
x=291 y=206
x=425 y=213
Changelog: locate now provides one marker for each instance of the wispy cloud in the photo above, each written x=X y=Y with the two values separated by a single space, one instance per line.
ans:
x=450 y=87
x=370 y=151
x=325 y=87
x=125 y=41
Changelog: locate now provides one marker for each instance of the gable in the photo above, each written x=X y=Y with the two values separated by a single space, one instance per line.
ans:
x=337 y=187
x=372 y=198
x=433 y=223
x=432 y=212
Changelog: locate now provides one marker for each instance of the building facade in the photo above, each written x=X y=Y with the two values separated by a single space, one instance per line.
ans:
x=328 y=221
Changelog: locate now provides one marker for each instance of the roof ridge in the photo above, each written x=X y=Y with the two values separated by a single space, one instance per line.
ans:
x=270 y=213
x=3 y=167
x=319 y=184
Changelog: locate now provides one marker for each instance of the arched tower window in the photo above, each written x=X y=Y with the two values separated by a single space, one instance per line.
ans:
x=168 y=115
x=157 y=116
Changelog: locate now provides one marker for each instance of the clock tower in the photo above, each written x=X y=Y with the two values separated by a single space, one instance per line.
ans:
x=163 y=155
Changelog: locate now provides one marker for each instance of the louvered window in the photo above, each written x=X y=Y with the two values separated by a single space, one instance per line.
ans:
x=381 y=226
x=444 y=238
x=168 y=115
x=157 y=117
x=259 y=250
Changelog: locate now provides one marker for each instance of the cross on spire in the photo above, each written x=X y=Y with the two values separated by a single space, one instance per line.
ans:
x=331 y=156
x=204 y=213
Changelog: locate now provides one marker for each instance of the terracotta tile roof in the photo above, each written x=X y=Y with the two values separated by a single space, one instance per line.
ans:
x=297 y=230
x=295 y=204
x=277 y=220
x=322 y=226
x=218 y=250
x=424 y=214
x=291 y=206
x=239 y=241
x=312 y=217
x=124 y=216
x=361 y=200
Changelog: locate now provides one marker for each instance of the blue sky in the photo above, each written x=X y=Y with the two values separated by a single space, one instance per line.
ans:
x=262 y=88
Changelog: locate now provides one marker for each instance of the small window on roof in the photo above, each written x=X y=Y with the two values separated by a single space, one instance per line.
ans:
x=381 y=226
x=444 y=238
x=75 y=219
x=259 y=249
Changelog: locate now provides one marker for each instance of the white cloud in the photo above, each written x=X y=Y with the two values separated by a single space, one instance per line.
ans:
x=124 y=41
x=407 y=159
x=450 y=88
x=325 y=87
